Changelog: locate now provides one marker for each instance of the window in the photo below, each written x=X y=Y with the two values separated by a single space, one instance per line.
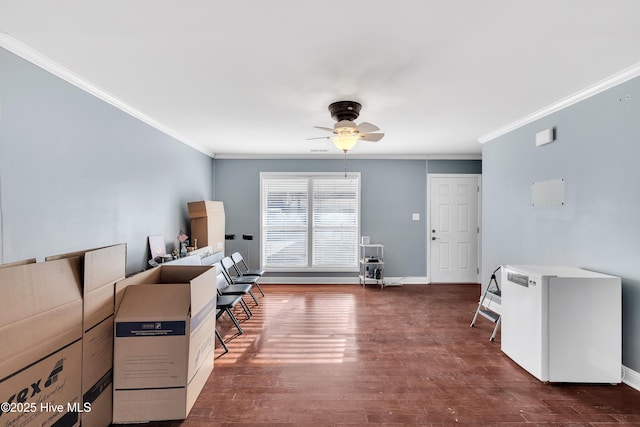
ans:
x=310 y=222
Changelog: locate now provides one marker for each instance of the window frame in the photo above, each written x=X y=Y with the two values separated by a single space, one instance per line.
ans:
x=309 y=176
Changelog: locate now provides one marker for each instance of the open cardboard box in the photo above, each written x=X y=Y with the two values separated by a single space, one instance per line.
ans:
x=41 y=343
x=100 y=269
x=207 y=223
x=17 y=263
x=164 y=342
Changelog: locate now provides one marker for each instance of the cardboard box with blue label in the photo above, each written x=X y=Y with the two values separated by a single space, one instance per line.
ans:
x=163 y=342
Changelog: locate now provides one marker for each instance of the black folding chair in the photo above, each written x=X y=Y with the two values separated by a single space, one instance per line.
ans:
x=225 y=304
x=226 y=288
x=242 y=269
x=233 y=278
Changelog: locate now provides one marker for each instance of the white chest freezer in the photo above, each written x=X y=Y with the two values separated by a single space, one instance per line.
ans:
x=562 y=324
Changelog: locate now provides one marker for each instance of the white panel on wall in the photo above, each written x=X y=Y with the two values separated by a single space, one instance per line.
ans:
x=548 y=193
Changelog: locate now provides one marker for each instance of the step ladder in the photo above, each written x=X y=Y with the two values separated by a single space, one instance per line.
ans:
x=491 y=294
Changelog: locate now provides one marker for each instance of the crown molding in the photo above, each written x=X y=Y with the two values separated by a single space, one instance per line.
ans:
x=29 y=54
x=612 y=81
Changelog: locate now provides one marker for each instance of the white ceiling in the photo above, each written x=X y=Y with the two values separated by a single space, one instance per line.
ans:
x=238 y=78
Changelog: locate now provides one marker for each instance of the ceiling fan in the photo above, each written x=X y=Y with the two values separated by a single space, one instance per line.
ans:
x=345 y=132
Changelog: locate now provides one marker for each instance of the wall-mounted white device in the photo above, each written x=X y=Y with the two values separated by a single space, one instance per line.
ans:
x=544 y=137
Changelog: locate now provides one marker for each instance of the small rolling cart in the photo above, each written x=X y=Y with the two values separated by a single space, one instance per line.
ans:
x=372 y=264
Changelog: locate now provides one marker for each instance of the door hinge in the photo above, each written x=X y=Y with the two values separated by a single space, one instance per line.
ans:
x=478 y=230
x=478 y=270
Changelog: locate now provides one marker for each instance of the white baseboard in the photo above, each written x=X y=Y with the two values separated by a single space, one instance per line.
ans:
x=631 y=377
x=411 y=280
x=302 y=280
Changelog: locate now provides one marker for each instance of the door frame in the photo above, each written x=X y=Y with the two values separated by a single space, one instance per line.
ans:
x=428 y=221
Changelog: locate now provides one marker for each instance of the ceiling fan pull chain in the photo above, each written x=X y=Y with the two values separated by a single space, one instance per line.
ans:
x=345 y=163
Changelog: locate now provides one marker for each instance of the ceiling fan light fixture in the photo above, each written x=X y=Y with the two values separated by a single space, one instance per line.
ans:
x=346 y=141
x=346 y=133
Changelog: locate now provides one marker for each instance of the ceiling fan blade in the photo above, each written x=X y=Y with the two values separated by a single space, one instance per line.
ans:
x=324 y=128
x=365 y=127
x=373 y=137
x=318 y=137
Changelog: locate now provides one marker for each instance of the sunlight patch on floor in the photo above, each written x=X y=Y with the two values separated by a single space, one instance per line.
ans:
x=304 y=332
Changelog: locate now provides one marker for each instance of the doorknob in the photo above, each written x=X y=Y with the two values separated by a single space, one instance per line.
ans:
x=434 y=238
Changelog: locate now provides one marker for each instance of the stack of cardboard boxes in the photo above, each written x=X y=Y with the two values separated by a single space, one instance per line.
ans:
x=57 y=340
x=56 y=330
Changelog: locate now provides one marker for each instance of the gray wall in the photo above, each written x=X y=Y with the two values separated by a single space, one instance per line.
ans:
x=596 y=152
x=77 y=173
x=391 y=191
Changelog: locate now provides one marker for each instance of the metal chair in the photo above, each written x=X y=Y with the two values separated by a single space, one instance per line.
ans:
x=227 y=288
x=225 y=304
x=242 y=269
x=233 y=279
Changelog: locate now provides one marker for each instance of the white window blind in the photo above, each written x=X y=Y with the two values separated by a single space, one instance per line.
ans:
x=310 y=222
x=285 y=222
x=335 y=222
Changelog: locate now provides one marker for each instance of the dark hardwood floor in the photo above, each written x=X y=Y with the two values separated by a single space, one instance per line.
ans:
x=341 y=355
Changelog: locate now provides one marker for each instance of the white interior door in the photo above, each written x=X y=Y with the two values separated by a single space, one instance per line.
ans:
x=454 y=228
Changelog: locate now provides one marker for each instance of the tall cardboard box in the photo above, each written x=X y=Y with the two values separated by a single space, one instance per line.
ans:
x=41 y=344
x=100 y=269
x=207 y=223
x=164 y=341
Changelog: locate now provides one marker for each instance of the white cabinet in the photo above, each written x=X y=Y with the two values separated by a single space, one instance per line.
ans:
x=563 y=324
x=372 y=264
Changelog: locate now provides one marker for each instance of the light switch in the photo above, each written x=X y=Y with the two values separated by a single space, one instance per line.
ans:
x=415 y=217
